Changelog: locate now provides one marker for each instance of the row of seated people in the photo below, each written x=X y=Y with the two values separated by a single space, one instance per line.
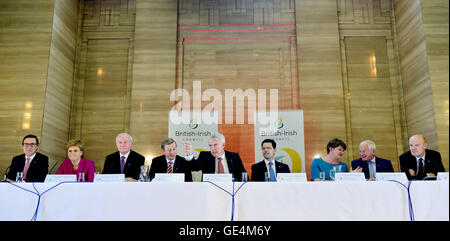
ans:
x=417 y=163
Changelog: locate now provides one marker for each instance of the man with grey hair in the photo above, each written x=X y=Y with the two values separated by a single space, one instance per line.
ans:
x=125 y=160
x=217 y=160
x=369 y=163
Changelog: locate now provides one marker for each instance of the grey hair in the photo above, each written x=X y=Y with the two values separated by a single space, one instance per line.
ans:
x=370 y=144
x=125 y=134
x=217 y=136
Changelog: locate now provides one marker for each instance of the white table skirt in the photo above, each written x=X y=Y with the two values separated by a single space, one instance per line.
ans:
x=359 y=201
x=206 y=202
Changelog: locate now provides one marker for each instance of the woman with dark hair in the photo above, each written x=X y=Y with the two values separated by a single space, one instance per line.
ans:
x=335 y=151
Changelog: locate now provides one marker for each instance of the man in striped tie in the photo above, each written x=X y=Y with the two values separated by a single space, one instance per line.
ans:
x=217 y=160
x=170 y=162
x=32 y=164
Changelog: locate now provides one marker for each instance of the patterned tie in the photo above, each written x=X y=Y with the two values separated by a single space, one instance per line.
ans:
x=220 y=166
x=420 y=170
x=169 y=167
x=122 y=163
x=25 y=169
x=272 y=173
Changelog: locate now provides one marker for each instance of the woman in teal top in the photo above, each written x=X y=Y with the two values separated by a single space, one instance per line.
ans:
x=335 y=150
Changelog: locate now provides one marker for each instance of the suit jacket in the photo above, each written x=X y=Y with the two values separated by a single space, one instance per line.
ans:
x=433 y=163
x=258 y=170
x=159 y=165
x=36 y=172
x=382 y=165
x=206 y=163
x=132 y=165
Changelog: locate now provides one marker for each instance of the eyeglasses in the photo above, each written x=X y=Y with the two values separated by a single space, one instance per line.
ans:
x=30 y=144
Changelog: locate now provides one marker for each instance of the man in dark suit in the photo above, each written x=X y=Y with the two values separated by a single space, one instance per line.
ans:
x=217 y=160
x=420 y=162
x=369 y=163
x=268 y=148
x=125 y=160
x=32 y=164
x=170 y=162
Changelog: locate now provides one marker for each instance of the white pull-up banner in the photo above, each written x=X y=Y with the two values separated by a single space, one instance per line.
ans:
x=192 y=126
x=288 y=133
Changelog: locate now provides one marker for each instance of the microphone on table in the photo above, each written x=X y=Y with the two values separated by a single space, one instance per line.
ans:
x=51 y=169
x=6 y=173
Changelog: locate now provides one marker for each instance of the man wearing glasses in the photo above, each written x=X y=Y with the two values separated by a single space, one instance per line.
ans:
x=32 y=164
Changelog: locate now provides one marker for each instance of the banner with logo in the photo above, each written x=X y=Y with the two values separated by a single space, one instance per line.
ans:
x=192 y=126
x=288 y=133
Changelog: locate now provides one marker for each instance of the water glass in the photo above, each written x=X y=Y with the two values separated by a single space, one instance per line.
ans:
x=80 y=177
x=144 y=175
x=335 y=170
x=266 y=177
x=19 y=177
x=322 y=176
x=244 y=177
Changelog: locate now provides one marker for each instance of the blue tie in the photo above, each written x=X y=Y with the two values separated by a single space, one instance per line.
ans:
x=272 y=173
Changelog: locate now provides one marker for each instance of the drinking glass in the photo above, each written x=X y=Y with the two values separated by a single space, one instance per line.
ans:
x=80 y=177
x=266 y=177
x=19 y=177
x=244 y=177
x=143 y=176
x=335 y=170
x=322 y=176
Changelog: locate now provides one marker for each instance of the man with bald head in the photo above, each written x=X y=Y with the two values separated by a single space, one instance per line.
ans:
x=420 y=162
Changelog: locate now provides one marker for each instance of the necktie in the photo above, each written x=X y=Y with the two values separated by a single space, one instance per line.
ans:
x=372 y=169
x=25 y=169
x=220 y=166
x=169 y=167
x=122 y=163
x=272 y=173
x=420 y=170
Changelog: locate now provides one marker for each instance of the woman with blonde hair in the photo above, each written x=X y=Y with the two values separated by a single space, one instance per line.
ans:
x=77 y=163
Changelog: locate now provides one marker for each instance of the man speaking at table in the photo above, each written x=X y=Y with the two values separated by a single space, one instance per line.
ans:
x=125 y=160
x=170 y=162
x=217 y=160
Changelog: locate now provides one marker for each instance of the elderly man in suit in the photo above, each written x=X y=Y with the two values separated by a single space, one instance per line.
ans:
x=217 y=160
x=170 y=162
x=369 y=163
x=269 y=165
x=125 y=160
x=420 y=162
x=32 y=164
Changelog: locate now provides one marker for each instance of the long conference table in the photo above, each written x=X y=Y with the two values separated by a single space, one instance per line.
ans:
x=205 y=201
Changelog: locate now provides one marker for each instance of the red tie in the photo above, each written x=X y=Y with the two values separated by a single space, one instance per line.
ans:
x=220 y=166
x=25 y=169
x=169 y=167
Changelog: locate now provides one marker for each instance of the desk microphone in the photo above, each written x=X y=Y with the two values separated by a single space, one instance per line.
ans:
x=51 y=169
x=6 y=172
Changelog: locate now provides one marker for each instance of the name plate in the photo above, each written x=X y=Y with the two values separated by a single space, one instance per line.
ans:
x=350 y=177
x=291 y=177
x=391 y=176
x=442 y=176
x=217 y=177
x=165 y=177
x=109 y=178
x=60 y=178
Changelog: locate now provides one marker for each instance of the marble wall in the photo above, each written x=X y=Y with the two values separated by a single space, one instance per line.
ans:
x=366 y=69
